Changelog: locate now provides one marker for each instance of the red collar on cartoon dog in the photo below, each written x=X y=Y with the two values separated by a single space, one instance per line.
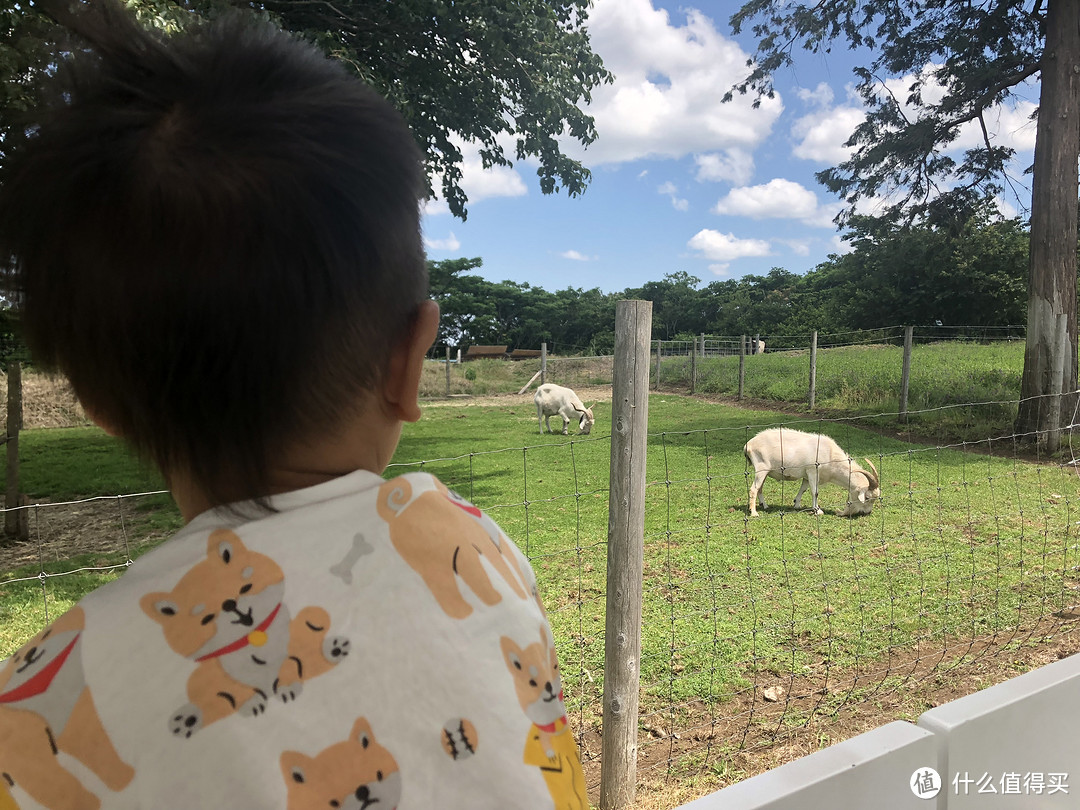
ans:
x=251 y=638
x=40 y=682
x=550 y=727
x=467 y=507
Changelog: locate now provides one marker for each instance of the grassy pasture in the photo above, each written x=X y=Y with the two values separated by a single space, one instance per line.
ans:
x=964 y=545
x=946 y=378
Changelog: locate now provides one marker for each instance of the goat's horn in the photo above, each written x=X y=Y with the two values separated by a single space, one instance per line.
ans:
x=875 y=482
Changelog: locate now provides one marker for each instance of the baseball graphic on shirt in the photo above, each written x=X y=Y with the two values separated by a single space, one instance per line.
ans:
x=459 y=739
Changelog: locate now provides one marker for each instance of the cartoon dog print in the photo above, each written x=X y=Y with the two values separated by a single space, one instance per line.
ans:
x=352 y=775
x=226 y=614
x=550 y=745
x=45 y=708
x=443 y=538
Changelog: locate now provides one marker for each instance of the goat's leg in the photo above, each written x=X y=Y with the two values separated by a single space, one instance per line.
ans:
x=565 y=425
x=755 y=492
x=540 y=419
x=803 y=484
x=814 y=479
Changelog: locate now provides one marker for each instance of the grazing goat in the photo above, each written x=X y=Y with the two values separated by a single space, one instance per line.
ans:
x=554 y=399
x=788 y=455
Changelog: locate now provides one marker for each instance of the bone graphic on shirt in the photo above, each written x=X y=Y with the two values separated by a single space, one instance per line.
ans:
x=360 y=548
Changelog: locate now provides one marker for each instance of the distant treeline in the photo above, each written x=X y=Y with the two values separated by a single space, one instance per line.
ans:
x=973 y=273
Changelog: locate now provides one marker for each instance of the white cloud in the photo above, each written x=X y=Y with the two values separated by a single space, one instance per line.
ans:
x=839 y=246
x=820 y=96
x=498 y=181
x=800 y=247
x=725 y=247
x=1009 y=124
x=642 y=173
x=1006 y=208
x=719 y=269
x=450 y=243
x=777 y=199
x=735 y=166
x=821 y=135
x=574 y=255
x=665 y=101
x=477 y=182
x=671 y=190
x=434 y=208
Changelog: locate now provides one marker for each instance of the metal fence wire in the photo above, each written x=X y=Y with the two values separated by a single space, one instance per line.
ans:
x=752 y=627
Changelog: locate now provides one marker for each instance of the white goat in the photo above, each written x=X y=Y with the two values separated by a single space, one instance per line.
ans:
x=788 y=455
x=554 y=399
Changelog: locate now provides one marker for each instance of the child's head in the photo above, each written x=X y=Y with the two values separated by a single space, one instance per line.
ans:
x=216 y=239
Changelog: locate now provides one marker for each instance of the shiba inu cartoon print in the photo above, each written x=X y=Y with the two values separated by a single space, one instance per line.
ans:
x=447 y=541
x=357 y=773
x=550 y=746
x=228 y=615
x=46 y=707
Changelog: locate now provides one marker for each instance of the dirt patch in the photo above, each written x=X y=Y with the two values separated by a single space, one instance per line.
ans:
x=707 y=751
x=99 y=528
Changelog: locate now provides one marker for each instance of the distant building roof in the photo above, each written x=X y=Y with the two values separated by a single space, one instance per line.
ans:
x=474 y=352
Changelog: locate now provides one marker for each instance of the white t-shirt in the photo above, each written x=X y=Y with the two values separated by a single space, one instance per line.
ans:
x=370 y=643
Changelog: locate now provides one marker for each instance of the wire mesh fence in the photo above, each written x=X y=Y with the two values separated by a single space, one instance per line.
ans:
x=752 y=626
x=74 y=547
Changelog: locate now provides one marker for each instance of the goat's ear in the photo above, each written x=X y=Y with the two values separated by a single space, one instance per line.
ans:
x=862 y=496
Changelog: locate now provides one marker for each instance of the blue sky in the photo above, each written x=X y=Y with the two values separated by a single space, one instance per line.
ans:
x=681 y=181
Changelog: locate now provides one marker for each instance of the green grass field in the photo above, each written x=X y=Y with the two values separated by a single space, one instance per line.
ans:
x=964 y=545
x=946 y=378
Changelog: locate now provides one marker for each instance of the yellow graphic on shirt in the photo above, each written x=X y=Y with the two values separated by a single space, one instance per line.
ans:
x=550 y=745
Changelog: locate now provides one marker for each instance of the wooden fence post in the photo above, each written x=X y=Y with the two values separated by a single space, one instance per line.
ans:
x=693 y=367
x=757 y=342
x=813 y=368
x=905 y=373
x=15 y=520
x=742 y=365
x=659 y=344
x=626 y=554
x=447 y=370
x=543 y=362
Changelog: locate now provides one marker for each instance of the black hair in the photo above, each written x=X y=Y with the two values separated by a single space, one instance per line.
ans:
x=215 y=236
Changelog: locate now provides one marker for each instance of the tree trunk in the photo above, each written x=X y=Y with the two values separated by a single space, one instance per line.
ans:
x=1052 y=262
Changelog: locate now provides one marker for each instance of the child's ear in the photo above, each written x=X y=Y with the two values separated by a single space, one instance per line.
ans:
x=402 y=384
